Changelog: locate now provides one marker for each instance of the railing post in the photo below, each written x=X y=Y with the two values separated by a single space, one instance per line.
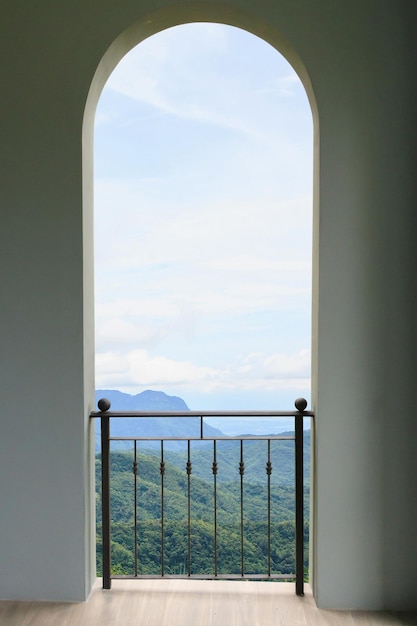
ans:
x=104 y=405
x=300 y=405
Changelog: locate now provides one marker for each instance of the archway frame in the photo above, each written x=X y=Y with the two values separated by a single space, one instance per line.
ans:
x=149 y=25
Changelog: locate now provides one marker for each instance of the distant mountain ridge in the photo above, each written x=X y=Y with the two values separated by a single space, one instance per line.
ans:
x=145 y=401
x=150 y=427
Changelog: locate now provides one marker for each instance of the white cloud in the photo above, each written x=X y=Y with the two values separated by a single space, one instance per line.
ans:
x=142 y=232
x=246 y=263
x=277 y=366
x=161 y=314
x=138 y=369
x=117 y=331
x=102 y=117
x=288 y=85
x=151 y=73
x=177 y=73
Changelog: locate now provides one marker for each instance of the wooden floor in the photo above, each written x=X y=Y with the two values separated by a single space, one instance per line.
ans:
x=192 y=603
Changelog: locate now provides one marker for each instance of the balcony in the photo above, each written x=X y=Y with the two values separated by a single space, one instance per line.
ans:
x=250 y=541
x=184 y=599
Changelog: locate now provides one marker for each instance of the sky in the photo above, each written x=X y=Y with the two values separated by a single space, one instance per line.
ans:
x=203 y=222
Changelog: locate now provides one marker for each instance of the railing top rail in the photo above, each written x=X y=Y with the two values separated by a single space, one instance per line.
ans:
x=201 y=414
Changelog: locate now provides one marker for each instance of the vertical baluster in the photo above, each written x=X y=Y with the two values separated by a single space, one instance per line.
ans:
x=214 y=469
x=268 y=470
x=162 y=471
x=189 y=507
x=135 y=513
x=241 y=472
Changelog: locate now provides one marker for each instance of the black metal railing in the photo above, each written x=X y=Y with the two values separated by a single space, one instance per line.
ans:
x=105 y=415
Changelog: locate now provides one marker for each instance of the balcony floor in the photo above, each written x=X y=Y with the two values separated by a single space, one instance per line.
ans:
x=196 y=603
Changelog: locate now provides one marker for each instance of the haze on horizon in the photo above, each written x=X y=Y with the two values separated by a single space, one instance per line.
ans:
x=203 y=222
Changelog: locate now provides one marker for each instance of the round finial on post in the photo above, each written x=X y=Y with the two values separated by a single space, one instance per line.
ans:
x=300 y=404
x=103 y=404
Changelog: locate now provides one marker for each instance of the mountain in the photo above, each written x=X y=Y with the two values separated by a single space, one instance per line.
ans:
x=145 y=401
x=150 y=427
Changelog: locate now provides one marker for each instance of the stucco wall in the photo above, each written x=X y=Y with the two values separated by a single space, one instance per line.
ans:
x=357 y=61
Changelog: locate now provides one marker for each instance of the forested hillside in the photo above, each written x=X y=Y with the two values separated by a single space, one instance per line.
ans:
x=255 y=510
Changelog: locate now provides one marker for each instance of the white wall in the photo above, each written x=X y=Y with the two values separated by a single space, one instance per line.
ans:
x=358 y=56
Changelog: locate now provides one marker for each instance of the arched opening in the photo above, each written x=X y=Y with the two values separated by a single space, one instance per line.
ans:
x=123 y=42
x=203 y=200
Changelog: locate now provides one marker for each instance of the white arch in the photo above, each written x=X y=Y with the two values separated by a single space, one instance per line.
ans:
x=152 y=24
x=184 y=13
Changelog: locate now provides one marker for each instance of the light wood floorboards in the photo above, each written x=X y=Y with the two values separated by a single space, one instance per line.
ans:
x=192 y=603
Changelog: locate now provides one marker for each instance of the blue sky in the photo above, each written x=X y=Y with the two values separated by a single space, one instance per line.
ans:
x=203 y=212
